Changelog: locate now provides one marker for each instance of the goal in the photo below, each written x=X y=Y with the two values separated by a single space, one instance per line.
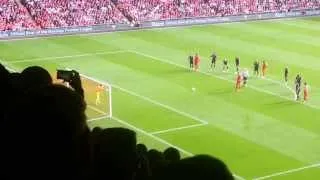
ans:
x=97 y=107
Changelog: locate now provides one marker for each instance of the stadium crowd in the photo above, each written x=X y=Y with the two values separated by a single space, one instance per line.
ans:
x=14 y=16
x=32 y=14
x=44 y=135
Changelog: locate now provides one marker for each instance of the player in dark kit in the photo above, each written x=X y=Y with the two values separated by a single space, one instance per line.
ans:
x=237 y=62
x=191 y=61
x=225 y=66
x=286 y=74
x=256 y=67
x=298 y=86
x=213 y=60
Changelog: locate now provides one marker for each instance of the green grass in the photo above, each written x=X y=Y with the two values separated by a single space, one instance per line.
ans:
x=258 y=131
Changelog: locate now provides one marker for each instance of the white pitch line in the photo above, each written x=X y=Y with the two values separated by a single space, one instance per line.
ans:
x=96 y=109
x=162 y=60
x=219 y=77
x=149 y=100
x=144 y=132
x=177 y=129
x=97 y=119
x=161 y=140
x=65 y=57
x=288 y=171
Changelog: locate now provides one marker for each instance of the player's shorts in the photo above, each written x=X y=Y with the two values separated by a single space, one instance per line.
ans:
x=245 y=80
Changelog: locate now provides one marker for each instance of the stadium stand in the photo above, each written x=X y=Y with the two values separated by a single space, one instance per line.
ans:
x=14 y=16
x=32 y=14
x=64 y=13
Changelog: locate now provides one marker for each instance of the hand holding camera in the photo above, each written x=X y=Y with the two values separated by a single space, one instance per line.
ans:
x=73 y=78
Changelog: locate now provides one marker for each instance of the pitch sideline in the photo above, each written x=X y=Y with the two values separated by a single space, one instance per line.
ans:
x=178 y=128
x=152 y=135
x=162 y=141
x=162 y=60
x=317 y=165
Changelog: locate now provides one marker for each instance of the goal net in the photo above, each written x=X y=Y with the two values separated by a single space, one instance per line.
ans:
x=97 y=96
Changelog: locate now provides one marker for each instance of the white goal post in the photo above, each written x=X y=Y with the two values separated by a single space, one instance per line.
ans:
x=107 y=109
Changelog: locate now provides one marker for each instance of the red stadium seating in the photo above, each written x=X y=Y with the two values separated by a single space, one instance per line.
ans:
x=33 y=14
x=14 y=16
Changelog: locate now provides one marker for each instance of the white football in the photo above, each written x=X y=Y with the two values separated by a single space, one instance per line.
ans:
x=193 y=89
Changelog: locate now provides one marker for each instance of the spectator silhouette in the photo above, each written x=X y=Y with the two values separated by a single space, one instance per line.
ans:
x=115 y=154
x=171 y=154
x=143 y=171
x=47 y=134
x=4 y=90
x=35 y=76
x=156 y=160
x=142 y=149
x=44 y=133
x=198 y=167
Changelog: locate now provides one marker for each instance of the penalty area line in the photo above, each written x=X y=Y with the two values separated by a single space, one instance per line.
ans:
x=96 y=109
x=162 y=105
x=160 y=140
x=178 y=128
x=317 y=165
x=98 y=118
x=147 y=99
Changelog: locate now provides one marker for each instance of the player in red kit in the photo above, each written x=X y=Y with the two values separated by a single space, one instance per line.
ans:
x=305 y=92
x=238 y=81
x=264 y=68
x=196 y=62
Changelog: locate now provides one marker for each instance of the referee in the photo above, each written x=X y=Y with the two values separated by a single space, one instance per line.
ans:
x=225 y=66
x=256 y=68
x=286 y=74
x=191 y=62
x=298 y=86
x=213 y=60
x=237 y=62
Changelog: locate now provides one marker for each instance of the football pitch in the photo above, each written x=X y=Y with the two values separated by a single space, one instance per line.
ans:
x=260 y=131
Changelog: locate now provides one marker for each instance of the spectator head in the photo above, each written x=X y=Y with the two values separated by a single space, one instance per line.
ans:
x=156 y=160
x=35 y=76
x=198 y=167
x=115 y=154
x=142 y=149
x=15 y=82
x=4 y=73
x=50 y=123
x=171 y=154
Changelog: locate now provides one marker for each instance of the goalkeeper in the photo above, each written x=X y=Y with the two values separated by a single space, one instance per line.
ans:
x=99 y=89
